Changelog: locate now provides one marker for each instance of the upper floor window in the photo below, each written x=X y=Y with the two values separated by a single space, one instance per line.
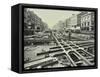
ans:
x=88 y=23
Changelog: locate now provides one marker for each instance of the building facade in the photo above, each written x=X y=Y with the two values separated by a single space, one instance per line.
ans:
x=72 y=21
x=87 y=21
x=32 y=23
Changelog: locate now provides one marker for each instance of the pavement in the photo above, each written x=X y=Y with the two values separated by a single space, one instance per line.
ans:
x=31 y=52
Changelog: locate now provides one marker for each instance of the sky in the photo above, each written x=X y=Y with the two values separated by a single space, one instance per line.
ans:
x=51 y=17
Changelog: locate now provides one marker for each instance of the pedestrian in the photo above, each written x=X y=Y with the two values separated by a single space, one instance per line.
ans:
x=69 y=35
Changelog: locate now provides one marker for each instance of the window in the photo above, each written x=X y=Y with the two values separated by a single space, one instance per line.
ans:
x=92 y=22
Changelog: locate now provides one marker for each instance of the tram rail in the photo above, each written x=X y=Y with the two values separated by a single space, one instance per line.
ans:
x=74 y=53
